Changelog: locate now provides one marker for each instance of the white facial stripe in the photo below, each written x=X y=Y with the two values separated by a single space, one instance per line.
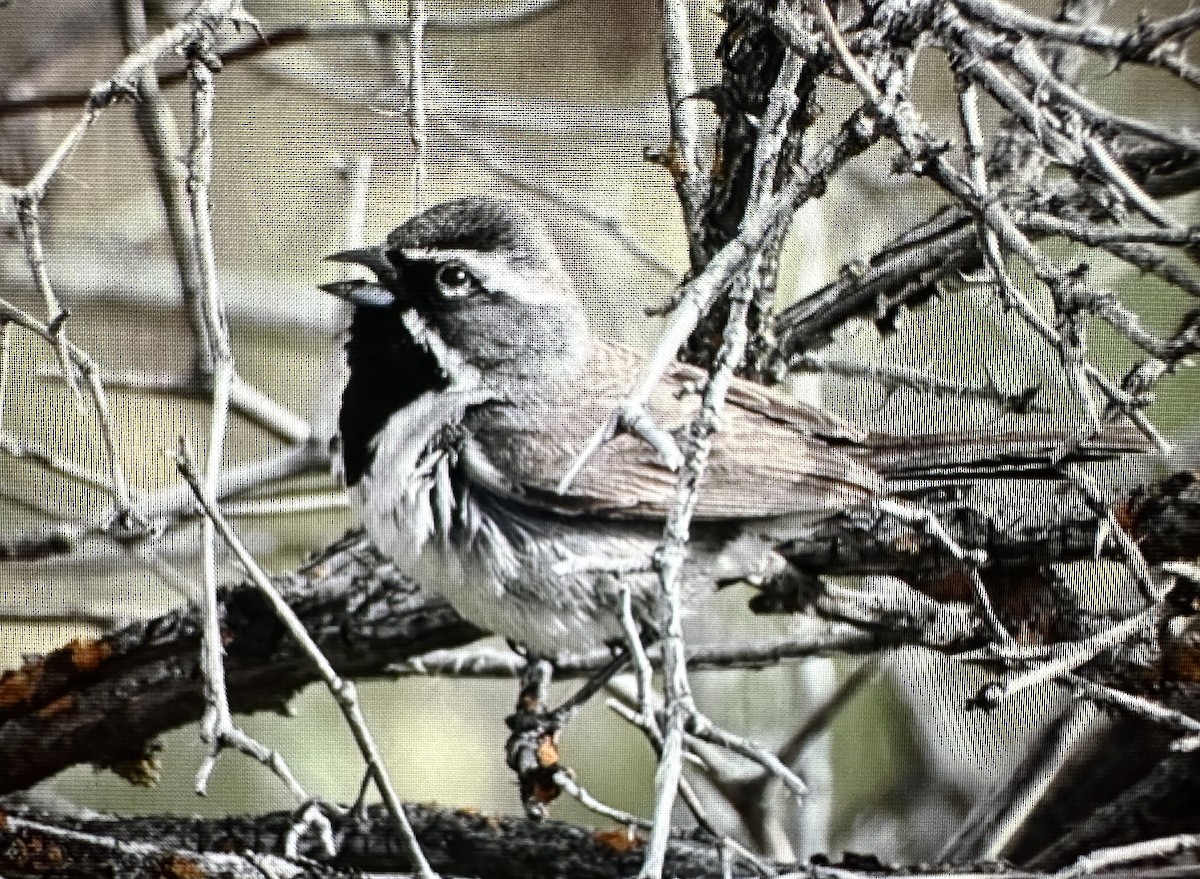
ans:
x=460 y=373
x=496 y=271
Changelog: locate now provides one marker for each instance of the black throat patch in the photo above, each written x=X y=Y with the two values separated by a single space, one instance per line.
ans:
x=388 y=371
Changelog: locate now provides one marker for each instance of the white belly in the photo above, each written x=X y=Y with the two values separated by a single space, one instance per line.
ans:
x=551 y=582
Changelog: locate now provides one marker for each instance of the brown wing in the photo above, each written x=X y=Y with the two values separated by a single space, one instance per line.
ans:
x=772 y=455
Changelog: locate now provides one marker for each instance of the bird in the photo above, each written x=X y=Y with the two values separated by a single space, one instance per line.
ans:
x=474 y=383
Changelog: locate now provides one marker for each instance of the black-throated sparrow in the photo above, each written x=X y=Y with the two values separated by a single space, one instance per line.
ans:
x=474 y=382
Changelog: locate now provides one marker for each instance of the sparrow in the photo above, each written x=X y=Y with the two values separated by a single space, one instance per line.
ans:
x=474 y=383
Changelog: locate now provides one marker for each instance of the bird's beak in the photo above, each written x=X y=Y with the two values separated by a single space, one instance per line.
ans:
x=371 y=257
x=359 y=292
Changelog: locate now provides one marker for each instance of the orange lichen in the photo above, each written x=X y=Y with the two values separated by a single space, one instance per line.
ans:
x=19 y=685
x=35 y=851
x=547 y=752
x=1181 y=663
x=1124 y=513
x=178 y=867
x=908 y=544
x=620 y=841
x=61 y=705
x=87 y=654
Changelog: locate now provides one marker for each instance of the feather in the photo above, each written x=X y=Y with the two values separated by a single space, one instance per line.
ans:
x=799 y=465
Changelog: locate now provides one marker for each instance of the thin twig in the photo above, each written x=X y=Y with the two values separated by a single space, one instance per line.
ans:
x=693 y=300
x=1121 y=181
x=1063 y=657
x=30 y=219
x=491 y=159
x=344 y=692
x=768 y=148
x=835 y=639
x=5 y=364
x=83 y=363
x=894 y=377
x=156 y=124
x=1135 y=705
x=572 y=788
x=217 y=727
x=1144 y=44
x=683 y=112
x=1114 y=530
x=507 y=15
x=418 y=19
x=680 y=709
x=1104 y=858
x=643 y=672
x=52 y=462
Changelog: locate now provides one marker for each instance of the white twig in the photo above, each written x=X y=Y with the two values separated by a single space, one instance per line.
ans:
x=1064 y=657
x=997 y=225
x=217 y=727
x=417 y=18
x=56 y=316
x=706 y=731
x=1117 y=532
x=922 y=381
x=693 y=301
x=251 y=403
x=772 y=133
x=833 y=640
x=5 y=364
x=162 y=507
x=669 y=560
x=1135 y=705
x=1104 y=858
x=572 y=788
x=643 y=672
x=311 y=820
x=244 y=399
x=680 y=76
x=46 y=458
x=344 y=692
x=290 y=505
x=81 y=361
x=1122 y=182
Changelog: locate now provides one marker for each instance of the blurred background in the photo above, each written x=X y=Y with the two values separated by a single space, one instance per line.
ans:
x=554 y=109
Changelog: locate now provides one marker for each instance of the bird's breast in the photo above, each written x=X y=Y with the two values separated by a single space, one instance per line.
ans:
x=409 y=494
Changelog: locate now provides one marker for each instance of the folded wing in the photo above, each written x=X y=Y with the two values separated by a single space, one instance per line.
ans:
x=772 y=455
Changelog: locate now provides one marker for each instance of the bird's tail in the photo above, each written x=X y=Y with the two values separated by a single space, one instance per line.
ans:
x=979 y=454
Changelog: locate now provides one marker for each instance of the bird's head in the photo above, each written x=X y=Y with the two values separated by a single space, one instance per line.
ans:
x=475 y=281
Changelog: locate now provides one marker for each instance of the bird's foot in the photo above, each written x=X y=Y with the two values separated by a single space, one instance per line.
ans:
x=532 y=748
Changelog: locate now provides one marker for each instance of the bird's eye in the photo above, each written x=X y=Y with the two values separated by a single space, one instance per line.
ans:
x=455 y=281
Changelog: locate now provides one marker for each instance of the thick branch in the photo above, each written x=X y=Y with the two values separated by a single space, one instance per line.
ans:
x=104 y=701
x=459 y=843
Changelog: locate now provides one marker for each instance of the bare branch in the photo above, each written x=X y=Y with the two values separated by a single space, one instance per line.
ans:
x=343 y=691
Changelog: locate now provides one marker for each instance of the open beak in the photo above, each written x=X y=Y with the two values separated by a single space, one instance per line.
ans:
x=359 y=292
x=371 y=257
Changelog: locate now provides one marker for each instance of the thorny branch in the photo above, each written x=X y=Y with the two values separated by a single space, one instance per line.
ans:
x=997 y=217
x=1071 y=131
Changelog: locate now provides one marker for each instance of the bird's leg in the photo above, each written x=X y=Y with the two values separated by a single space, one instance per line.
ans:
x=532 y=748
